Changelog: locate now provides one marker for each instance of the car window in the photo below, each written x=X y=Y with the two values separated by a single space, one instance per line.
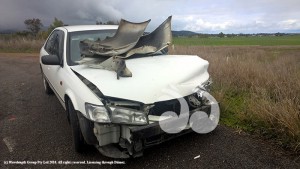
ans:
x=54 y=44
x=75 y=38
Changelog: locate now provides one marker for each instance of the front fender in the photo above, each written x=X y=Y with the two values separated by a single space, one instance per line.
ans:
x=73 y=99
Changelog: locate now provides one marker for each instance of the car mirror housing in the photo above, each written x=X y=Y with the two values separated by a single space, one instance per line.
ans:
x=50 y=60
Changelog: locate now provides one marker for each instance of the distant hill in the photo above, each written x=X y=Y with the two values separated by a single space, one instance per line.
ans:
x=183 y=33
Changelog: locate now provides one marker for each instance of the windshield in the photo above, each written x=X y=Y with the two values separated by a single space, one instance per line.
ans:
x=75 y=37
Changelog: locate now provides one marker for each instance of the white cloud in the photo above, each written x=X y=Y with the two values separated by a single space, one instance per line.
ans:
x=290 y=24
x=198 y=24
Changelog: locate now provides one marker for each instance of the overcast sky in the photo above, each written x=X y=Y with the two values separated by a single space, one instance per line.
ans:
x=203 y=16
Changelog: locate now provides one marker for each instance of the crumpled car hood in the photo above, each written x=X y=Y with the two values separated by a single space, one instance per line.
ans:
x=156 y=78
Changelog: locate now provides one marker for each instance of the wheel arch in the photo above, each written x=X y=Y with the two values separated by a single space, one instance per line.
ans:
x=69 y=95
x=86 y=126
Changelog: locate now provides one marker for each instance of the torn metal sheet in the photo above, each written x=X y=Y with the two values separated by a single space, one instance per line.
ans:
x=125 y=38
x=127 y=41
x=114 y=64
x=157 y=40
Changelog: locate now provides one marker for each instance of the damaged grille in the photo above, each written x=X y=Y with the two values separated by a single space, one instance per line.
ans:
x=164 y=106
x=174 y=105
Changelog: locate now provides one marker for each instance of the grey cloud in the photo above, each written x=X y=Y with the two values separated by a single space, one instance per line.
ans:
x=14 y=12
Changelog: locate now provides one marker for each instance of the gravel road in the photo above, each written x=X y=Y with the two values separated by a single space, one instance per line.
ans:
x=33 y=128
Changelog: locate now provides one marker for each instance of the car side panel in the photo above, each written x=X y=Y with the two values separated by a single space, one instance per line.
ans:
x=65 y=82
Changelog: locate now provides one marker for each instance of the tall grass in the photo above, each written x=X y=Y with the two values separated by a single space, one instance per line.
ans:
x=239 y=40
x=15 y=44
x=258 y=88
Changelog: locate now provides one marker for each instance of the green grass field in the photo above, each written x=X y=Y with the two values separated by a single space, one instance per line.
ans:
x=14 y=43
x=236 y=41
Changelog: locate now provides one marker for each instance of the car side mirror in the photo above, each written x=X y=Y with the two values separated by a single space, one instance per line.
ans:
x=50 y=60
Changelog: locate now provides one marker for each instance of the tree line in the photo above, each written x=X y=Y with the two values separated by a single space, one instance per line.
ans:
x=34 y=27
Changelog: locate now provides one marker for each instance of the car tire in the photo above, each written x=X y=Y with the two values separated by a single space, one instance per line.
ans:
x=47 y=87
x=78 y=139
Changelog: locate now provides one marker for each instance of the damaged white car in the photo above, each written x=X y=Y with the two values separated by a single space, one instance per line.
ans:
x=121 y=90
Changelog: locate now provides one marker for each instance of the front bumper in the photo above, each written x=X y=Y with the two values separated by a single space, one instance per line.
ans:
x=153 y=134
x=123 y=141
x=142 y=137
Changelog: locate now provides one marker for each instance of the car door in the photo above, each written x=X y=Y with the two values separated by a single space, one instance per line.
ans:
x=55 y=46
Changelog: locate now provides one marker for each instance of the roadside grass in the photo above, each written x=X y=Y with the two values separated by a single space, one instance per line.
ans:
x=12 y=43
x=238 y=40
x=258 y=88
x=19 y=44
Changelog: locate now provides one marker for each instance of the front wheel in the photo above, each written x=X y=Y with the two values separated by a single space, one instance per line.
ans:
x=78 y=139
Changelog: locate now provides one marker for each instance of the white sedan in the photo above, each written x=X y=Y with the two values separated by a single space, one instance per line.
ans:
x=123 y=116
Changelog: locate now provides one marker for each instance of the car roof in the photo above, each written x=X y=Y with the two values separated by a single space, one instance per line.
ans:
x=76 y=28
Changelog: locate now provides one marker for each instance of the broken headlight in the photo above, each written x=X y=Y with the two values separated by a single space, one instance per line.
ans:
x=206 y=85
x=97 y=113
x=128 y=116
x=113 y=114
